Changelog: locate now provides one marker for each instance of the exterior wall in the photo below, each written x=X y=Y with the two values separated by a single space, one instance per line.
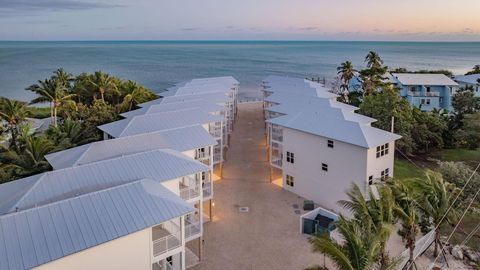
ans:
x=376 y=165
x=347 y=164
x=173 y=185
x=189 y=153
x=476 y=87
x=125 y=253
x=440 y=96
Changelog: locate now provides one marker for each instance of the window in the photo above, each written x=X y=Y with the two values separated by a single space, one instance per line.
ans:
x=428 y=89
x=324 y=167
x=382 y=150
x=290 y=157
x=440 y=99
x=370 y=180
x=427 y=101
x=290 y=180
x=384 y=174
x=422 y=101
x=330 y=143
x=412 y=88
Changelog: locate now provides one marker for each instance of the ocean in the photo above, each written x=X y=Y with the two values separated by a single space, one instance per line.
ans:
x=159 y=64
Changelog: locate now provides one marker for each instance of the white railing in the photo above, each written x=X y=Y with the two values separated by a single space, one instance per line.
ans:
x=207 y=189
x=202 y=155
x=277 y=162
x=276 y=137
x=188 y=193
x=166 y=243
x=192 y=228
x=424 y=94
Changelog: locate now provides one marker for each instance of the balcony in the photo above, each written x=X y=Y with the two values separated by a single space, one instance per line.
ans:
x=165 y=237
x=163 y=265
x=207 y=189
x=423 y=94
x=202 y=154
x=193 y=227
x=189 y=188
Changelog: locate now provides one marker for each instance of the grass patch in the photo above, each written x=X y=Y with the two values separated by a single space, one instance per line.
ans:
x=404 y=169
x=459 y=154
x=466 y=226
x=37 y=112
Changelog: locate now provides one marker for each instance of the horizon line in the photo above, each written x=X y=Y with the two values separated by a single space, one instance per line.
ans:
x=238 y=40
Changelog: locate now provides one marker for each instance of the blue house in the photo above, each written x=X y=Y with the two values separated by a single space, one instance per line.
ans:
x=426 y=91
x=472 y=80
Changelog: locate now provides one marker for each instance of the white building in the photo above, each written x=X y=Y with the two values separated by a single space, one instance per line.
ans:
x=321 y=146
x=162 y=121
x=472 y=80
x=194 y=142
x=122 y=213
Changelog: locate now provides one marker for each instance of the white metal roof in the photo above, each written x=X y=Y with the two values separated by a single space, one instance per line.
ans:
x=284 y=98
x=215 y=97
x=42 y=234
x=221 y=79
x=469 y=79
x=334 y=124
x=180 y=139
x=423 y=79
x=158 y=122
x=200 y=104
x=158 y=165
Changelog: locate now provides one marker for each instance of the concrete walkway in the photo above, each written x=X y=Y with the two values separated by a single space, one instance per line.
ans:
x=267 y=237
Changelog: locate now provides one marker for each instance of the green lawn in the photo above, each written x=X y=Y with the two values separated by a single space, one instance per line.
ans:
x=405 y=169
x=459 y=154
x=38 y=112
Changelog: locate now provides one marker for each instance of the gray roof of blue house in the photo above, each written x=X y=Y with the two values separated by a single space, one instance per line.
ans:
x=180 y=139
x=159 y=121
x=45 y=188
x=469 y=79
x=423 y=79
x=49 y=232
x=200 y=104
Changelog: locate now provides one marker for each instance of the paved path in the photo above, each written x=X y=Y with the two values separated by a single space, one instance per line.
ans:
x=267 y=237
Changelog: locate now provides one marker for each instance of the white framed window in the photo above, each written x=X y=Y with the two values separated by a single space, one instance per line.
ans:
x=324 y=167
x=290 y=157
x=429 y=89
x=427 y=101
x=384 y=174
x=422 y=101
x=382 y=150
x=330 y=143
x=290 y=180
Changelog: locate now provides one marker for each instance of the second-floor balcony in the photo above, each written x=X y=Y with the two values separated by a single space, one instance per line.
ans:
x=193 y=226
x=189 y=188
x=165 y=237
x=423 y=94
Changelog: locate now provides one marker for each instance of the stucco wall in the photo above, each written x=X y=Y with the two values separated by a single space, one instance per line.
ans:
x=346 y=165
x=125 y=253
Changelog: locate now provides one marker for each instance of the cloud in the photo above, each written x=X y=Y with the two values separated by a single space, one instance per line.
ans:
x=49 y=5
x=190 y=29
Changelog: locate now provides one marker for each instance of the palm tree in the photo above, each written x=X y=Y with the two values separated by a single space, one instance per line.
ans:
x=358 y=250
x=406 y=210
x=346 y=72
x=134 y=94
x=373 y=60
x=13 y=113
x=435 y=196
x=103 y=83
x=54 y=92
x=375 y=214
x=45 y=91
x=475 y=70
x=62 y=77
x=31 y=159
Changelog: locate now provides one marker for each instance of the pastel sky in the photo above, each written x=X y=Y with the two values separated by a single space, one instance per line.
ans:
x=423 y=20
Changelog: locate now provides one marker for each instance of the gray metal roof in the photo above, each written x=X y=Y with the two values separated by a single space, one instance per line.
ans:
x=158 y=165
x=335 y=124
x=423 y=79
x=200 y=104
x=297 y=101
x=180 y=139
x=158 y=121
x=42 y=234
x=469 y=79
x=215 y=97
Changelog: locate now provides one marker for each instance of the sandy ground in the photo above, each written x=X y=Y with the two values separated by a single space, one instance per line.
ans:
x=267 y=237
